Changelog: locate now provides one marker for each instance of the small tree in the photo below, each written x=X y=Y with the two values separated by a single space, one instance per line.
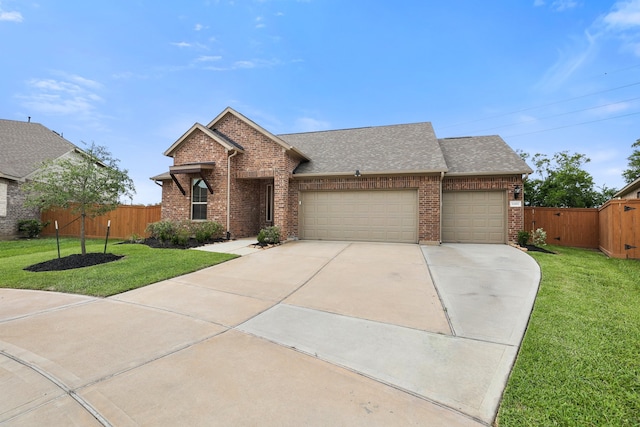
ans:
x=633 y=172
x=562 y=182
x=89 y=183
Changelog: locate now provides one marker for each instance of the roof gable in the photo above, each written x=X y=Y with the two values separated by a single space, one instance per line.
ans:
x=25 y=145
x=288 y=147
x=481 y=155
x=227 y=143
x=407 y=148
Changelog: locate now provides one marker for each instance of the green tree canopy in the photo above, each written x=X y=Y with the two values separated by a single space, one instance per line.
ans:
x=561 y=181
x=90 y=183
x=633 y=171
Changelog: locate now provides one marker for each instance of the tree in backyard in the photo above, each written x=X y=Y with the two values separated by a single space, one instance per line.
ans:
x=89 y=182
x=633 y=171
x=561 y=181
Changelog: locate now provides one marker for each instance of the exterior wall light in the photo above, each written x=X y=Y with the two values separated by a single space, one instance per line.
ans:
x=516 y=192
x=357 y=174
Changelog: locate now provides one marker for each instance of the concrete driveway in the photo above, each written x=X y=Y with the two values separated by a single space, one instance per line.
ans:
x=307 y=333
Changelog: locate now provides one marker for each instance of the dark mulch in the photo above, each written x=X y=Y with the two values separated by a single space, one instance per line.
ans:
x=532 y=248
x=157 y=244
x=74 y=261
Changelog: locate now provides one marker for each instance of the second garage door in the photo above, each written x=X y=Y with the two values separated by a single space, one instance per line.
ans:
x=473 y=217
x=375 y=216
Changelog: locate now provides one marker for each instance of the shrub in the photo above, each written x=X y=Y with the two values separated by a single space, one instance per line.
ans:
x=207 y=230
x=523 y=237
x=539 y=237
x=269 y=235
x=31 y=227
x=135 y=238
x=181 y=233
x=162 y=230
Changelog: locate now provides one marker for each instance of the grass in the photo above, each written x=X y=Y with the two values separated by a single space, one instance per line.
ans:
x=579 y=363
x=140 y=266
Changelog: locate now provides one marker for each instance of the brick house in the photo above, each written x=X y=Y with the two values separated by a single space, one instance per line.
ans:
x=388 y=183
x=23 y=148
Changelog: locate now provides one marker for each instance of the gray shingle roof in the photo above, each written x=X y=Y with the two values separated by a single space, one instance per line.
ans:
x=481 y=155
x=24 y=146
x=398 y=148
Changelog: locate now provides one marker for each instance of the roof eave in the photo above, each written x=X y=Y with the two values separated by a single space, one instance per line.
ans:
x=366 y=173
x=634 y=185
x=489 y=173
x=11 y=177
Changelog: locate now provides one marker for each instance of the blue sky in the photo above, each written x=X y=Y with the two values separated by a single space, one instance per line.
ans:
x=134 y=75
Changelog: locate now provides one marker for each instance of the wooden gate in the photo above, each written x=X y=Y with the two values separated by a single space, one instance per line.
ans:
x=576 y=227
x=620 y=228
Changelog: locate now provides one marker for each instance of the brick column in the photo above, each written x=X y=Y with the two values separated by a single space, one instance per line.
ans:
x=281 y=202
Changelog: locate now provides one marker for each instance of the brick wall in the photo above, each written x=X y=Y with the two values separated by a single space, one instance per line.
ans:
x=515 y=215
x=15 y=210
x=263 y=160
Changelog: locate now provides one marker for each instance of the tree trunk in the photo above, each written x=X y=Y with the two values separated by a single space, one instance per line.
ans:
x=83 y=246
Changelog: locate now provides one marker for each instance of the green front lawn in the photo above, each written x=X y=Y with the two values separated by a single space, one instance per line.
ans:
x=579 y=364
x=140 y=266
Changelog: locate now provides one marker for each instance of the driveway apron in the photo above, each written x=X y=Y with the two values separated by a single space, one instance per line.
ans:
x=307 y=333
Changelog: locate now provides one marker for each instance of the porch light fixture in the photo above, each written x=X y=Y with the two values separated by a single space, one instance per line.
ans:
x=516 y=192
x=357 y=174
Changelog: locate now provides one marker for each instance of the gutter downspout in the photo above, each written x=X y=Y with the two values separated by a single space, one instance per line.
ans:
x=441 y=179
x=235 y=152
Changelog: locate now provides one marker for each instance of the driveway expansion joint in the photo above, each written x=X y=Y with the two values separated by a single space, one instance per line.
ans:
x=59 y=384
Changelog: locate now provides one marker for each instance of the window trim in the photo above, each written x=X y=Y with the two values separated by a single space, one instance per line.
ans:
x=198 y=181
x=269 y=198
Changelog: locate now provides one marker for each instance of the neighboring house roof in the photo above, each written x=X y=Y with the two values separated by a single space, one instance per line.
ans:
x=408 y=148
x=481 y=155
x=630 y=188
x=25 y=145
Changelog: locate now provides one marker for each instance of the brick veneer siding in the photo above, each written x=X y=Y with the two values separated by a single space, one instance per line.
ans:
x=262 y=162
x=515 y=216
x=15 y=210
x=428 y=187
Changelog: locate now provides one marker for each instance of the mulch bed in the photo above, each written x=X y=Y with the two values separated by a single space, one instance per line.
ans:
x=74 y=261
x=157 y=244
x=532 y=248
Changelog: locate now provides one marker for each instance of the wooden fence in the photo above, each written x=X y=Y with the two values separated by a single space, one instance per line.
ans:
x=620 y=228
x=125 y=221
x=576 y=227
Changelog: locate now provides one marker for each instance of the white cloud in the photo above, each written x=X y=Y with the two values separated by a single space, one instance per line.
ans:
x=181 y=44
x=10 y=16
x=626 y=15
x=560 y=5
x=308 y=124
x=570 y=59
x=244 y=64
x=71 y=95
x=208 y=58
x=199 y=27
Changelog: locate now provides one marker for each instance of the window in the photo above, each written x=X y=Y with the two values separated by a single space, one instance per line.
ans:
x=3 y=199
x=198 y=199
x=269 y=217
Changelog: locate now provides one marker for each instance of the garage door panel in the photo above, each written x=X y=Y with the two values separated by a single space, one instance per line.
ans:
x=474 y=217
x=387 y=216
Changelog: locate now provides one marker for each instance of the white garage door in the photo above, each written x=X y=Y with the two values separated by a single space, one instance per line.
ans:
x=473 y=217
x=374 y=216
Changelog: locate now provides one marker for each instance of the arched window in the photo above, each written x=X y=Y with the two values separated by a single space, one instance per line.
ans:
x=198 y=199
